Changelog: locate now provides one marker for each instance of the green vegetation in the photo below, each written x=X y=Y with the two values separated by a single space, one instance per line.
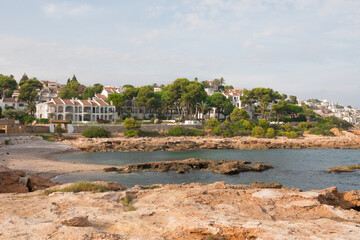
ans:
x=258 y=132
x=132 y=127
x=59 y=130
x=46 y=137
x=126 y=201
x=96 y=132
x=42 y=121
x=80 y=187
x=7 y=142
x=179 y=131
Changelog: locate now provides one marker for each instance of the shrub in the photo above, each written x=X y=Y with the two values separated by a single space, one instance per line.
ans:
x=175 y=131
x=238 y=114
x=7 y=142
x=242 y=133
x=258 y=131
x=291 y=134
x=96 y=132
x=27 y=119
x=148 y=134
x=101 y=121
x=132 y=133
x=43 y=121
x=270 y=133
x=179 y=131
x=131 y=123
x=46 y=138
x=264 y=124
x=287 y=127
x=58 y=130
x=248 y=125
x=304 y=126
x=80 y=187
x=319 y=131
x=211 y=123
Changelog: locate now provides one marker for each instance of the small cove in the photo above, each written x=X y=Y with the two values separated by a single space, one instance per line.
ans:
x=299 y=168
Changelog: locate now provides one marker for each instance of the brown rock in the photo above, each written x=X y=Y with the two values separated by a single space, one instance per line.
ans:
x=39 y=183
x=10 y=181
x=77 y=222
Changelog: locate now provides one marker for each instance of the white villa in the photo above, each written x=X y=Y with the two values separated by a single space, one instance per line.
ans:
x=75 y=110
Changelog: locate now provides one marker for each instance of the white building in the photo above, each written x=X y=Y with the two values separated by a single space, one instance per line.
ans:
x=107 y=90
x=234 y=96
x=75 y=110
x=12 y=102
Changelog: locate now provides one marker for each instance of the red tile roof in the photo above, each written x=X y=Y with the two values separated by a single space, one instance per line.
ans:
x=85 y=102
x=9 y=100
x=110 y=90
x=67 y=101
x=57 y=101
x=102 y=102
x=100 y=96
x=77 y=103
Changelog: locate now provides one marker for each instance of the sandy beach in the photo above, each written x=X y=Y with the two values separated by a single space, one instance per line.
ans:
x=35 y=157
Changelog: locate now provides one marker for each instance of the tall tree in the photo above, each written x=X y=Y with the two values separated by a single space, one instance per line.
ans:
x=28 y=90
x=23 y=79
x=145 y=99
x=7 y=84
x=89 y=92
x=119 y=101
x=98 y=88
x=68 y=93
x=174 y=93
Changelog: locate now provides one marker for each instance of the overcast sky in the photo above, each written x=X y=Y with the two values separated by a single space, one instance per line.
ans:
x=307 y=48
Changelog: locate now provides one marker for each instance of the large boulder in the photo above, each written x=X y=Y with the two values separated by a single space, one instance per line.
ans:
x=36 y=182
x=11 y=181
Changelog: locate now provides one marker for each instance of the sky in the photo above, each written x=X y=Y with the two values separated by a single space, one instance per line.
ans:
x=307 y=48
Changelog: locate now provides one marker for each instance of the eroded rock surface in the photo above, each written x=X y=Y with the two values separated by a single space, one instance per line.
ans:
x=186 y=211
x=184 y=166
x=349 y=141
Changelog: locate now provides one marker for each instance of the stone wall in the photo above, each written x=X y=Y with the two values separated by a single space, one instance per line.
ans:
x=37 y=129
x=144 y=127
x=12 y=140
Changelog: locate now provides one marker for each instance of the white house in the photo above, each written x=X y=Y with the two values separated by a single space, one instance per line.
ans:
x=75 y=110
x=234 y=96
x=107 y=90
x=12 y=102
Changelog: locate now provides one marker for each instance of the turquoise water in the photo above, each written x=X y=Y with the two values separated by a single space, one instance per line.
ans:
x=299 y=168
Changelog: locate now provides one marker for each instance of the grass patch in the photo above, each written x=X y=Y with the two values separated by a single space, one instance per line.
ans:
x=126 y=201
x=80 y=187
x=7 y=142
x=46 y=138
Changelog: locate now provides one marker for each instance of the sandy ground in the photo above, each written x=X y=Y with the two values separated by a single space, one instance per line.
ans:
x=35 y=157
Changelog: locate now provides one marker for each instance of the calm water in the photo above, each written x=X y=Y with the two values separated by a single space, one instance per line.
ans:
x=304 y=168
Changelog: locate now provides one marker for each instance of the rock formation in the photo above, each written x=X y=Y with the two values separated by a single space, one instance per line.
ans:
x=193 y=143
x=184 y=166
x=12 y=181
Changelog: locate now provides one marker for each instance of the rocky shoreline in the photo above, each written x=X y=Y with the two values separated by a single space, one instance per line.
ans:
x=186 y=211
x=124 y=144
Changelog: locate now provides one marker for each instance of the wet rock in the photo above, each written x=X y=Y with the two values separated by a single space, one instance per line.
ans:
x=348 y=168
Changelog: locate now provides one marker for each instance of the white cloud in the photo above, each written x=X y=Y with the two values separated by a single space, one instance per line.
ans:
x=66 y=9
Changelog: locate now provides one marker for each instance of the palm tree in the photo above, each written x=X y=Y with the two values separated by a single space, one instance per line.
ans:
x=31 y=108
x=203 y=106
